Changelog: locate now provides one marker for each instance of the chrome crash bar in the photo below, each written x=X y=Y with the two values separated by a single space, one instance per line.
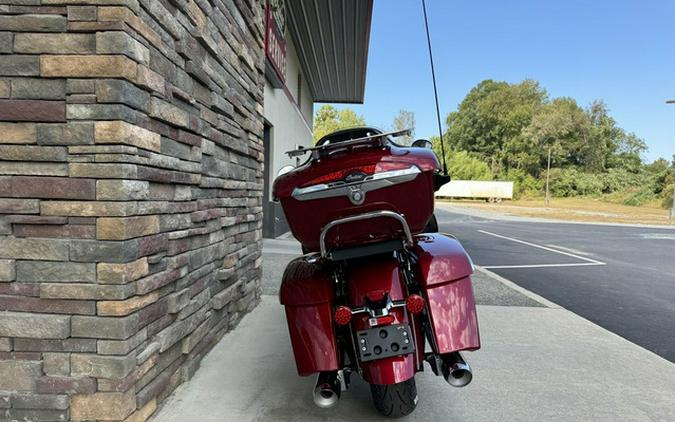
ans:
x=361 y=217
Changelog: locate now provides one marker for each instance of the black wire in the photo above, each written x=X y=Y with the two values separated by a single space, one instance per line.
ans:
x=433 y=78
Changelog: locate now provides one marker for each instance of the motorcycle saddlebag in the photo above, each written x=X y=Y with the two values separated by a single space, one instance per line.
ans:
x=307 y=295
x=445 y=277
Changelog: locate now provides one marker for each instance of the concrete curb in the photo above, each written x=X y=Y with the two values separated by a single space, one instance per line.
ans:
x=553 y=305
x=510 y=284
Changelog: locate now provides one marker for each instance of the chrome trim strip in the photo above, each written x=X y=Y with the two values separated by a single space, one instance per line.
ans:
x=370 y=183
x=360 y=217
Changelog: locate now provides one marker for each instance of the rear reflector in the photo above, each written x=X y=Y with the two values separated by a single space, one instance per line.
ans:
x=415 y=304
x=343 y=315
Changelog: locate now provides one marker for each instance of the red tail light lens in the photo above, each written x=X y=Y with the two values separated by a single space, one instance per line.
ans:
x=383 y=166
x=368 y=170
x=415 y=304
x=340 y=174
x=343 y=315
x=384 y=320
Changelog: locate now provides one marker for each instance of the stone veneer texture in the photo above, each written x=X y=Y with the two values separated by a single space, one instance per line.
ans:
x=130 y=197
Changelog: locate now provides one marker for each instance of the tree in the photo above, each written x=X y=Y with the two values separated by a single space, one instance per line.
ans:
x=511 y=127
x=328 y=119
x=490 y=121
x=629 y=151
x=405 y=120
x=562 y=126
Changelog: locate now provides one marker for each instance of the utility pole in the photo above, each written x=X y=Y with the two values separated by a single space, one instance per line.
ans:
x=548 y=177
x=672 y=207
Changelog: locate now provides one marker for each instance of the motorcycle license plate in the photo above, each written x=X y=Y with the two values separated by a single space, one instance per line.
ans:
x=384 y=342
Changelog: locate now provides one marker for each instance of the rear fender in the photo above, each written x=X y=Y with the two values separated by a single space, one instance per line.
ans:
x=371 y=279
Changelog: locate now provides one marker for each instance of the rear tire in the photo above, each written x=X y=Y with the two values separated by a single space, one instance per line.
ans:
x=395 y=400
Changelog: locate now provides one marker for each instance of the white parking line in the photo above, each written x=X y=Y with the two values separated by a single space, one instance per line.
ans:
x=588 y=261
x=580 y=264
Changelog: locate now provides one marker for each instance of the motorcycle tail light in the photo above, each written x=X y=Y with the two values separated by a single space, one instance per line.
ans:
x=340 y=174
x=383 y=166
x=384 y=320
x=367 y=170
x=415 y=304
x=343 y=315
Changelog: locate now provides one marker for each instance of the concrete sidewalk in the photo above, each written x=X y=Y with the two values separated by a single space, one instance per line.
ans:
x=537 y=362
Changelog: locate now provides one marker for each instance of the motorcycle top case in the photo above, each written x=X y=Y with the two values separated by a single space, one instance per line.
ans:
x=358 y=181
x=307 y=294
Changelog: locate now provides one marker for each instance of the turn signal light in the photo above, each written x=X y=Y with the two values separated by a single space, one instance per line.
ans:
x=415 y=304
x=343 y=315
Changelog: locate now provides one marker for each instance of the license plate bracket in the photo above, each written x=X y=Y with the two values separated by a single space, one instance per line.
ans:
x=384 y=342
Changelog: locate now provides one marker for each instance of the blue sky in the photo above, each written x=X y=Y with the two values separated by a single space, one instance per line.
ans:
x=620 y=51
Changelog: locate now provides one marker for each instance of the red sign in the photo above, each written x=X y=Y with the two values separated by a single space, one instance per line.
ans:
x=275 y=44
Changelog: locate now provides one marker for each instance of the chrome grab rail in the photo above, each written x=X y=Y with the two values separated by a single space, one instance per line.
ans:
x=346 y=144
x=360 y=217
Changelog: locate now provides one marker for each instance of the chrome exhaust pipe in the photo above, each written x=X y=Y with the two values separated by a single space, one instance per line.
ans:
x=456 y=371
x=327 y=390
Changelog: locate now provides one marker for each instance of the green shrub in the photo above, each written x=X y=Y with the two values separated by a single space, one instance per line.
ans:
x=463 y=166
x=640 y=198
x=524 y=185
x=571 y=182
x=618 y=179
x=589 y=184
x=561 y=183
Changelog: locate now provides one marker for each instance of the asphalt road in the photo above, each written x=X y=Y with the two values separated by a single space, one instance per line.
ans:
x=621 y=278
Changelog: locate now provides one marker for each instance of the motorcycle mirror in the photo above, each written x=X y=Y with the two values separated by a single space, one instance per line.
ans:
x=422 y=143
x=285 y=169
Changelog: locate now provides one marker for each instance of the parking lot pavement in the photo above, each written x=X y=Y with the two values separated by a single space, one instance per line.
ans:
x=618 y=276
x=537 y=362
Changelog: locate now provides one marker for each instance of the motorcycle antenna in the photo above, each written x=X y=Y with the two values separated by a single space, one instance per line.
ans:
x=433 y=78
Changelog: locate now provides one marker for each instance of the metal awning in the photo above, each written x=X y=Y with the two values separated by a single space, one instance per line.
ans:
x=331 y=38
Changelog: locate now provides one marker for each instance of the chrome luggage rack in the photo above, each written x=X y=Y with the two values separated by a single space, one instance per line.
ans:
x=407 y=242
x=316 y=151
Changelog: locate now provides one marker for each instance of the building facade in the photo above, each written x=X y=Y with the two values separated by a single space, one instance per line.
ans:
x=132 y=150
x=314 y=52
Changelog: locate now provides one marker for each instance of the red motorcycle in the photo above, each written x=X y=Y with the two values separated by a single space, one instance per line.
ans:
x=378 y=291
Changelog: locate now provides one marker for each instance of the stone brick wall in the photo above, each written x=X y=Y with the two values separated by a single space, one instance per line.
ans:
x=130 y=197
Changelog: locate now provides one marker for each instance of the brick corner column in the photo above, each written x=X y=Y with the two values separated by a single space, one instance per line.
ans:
x=130 y=198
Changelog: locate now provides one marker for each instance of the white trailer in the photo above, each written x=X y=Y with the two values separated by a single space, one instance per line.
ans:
x=477 y=189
